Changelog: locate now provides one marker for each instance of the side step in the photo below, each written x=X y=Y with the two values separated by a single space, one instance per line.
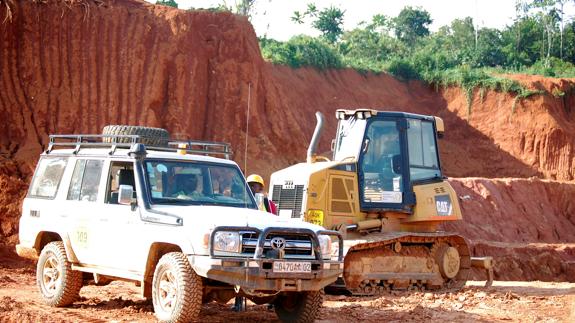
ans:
x=485 y=263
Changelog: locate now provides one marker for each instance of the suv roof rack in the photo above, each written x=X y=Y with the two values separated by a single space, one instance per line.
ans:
x=196 y=147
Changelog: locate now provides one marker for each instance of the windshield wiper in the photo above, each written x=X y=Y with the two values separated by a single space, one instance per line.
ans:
x=173 y=201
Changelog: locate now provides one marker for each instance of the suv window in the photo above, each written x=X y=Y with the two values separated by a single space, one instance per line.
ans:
x=182 y=182
x=121 y=173
x=47 y=178
x=85 y=180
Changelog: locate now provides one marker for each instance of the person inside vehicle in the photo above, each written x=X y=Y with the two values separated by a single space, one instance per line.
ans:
x=389 y=157
x=187 y=185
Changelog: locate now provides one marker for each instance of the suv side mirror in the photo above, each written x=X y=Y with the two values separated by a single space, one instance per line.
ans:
x=125 y=194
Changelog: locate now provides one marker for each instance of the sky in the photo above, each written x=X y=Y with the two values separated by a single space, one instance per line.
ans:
x=272 y=17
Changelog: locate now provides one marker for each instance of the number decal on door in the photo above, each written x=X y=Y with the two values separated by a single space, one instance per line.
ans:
x=82 y=237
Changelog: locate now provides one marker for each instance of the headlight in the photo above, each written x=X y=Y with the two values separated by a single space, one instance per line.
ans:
x=227 y=241
x=325 y=245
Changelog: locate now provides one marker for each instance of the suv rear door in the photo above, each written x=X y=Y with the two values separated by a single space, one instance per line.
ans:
x=81 y=209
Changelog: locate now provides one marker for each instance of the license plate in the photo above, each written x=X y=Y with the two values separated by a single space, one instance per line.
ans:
x=315 y=217
x=292 y=267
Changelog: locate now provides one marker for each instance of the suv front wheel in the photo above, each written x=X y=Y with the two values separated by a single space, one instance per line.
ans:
x=299 y=306
x=176 y=289
x=59 y=285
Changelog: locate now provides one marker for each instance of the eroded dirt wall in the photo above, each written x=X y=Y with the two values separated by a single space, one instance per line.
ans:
x=75 y=66
x=538 y=131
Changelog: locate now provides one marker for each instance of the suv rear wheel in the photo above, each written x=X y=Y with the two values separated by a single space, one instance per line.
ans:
x=59 y=285
x=299 y=307
x=176 y=289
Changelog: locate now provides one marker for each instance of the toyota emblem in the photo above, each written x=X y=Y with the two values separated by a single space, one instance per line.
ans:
x=278 y=243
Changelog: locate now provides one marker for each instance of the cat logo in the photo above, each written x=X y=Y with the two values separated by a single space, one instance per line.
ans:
x=443 y=205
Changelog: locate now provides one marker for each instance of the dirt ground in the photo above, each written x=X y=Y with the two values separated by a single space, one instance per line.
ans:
x=120 y=302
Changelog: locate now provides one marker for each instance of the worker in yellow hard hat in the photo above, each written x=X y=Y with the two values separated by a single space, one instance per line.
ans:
x=257 y=185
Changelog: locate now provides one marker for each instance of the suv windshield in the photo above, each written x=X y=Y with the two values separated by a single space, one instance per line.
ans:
x=197 y=183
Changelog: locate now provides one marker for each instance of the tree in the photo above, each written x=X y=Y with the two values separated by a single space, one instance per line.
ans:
x=522 y=42
x=328 y=21
x=463 y=33
x=169 y=3
x=569 y=50
x=489 y=48
x=411 y=24
x=548 y=17
x=561 y=4
x=245 y=8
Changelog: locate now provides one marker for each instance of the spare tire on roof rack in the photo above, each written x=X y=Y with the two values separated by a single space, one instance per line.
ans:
x=150 y=136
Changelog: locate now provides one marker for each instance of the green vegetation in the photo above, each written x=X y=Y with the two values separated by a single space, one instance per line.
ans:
x=328 y=21
x=301 y=51
x=538 y=41
x=169 y=3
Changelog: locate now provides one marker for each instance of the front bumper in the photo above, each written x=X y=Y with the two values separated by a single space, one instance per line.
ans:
x=257 y=273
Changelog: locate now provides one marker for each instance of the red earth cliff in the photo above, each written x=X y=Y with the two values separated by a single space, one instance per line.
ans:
x=74 y=67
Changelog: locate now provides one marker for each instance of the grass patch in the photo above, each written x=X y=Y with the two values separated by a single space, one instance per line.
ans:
x=440 y=73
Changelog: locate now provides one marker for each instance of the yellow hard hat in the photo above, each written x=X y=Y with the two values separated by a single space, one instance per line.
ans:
x=255 y=178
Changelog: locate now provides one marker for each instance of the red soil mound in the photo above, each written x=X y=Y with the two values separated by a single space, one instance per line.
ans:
x=528 y=225
x=515 y=210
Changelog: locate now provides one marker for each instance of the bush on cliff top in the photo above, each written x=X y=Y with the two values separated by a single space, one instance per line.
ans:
x=301 y=51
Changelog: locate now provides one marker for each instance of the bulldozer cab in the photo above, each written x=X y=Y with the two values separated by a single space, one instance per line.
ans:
x=393 y=152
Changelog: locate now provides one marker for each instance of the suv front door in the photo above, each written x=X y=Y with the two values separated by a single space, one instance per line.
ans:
x=122 y=231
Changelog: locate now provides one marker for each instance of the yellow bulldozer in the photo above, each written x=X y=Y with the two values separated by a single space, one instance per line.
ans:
x=385 y=192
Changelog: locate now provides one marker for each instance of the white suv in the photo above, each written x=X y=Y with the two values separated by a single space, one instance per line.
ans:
x=182 y=225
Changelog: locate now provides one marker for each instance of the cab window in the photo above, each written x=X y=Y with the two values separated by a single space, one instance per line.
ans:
x=85 y=180
x=423 y=160
x=382 y=178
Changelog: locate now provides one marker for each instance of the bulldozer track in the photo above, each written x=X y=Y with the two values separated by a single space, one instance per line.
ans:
x=407 y=261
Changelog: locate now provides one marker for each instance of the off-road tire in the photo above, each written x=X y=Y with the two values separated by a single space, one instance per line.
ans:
x=67 y=284
x=151 y=136
x=300 y=307
x=188 y=289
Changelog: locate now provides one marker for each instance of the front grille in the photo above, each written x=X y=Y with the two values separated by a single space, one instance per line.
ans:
x=289 y=198
x=297 y=246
